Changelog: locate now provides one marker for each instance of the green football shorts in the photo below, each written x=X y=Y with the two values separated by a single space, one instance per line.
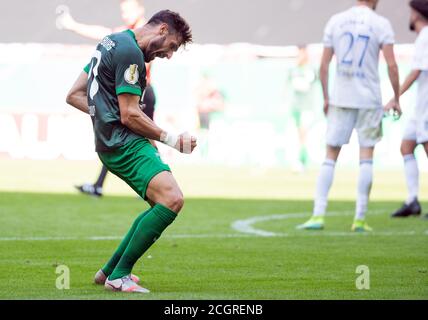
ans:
x=136 y=163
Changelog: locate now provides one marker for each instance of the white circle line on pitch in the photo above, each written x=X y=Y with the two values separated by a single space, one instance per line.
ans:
x=246 y=226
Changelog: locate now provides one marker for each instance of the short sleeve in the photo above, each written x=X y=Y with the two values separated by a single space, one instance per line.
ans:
x=420 y=58
x=387 y=35
x=328 y=34
x=129 y=72
x=87 y=68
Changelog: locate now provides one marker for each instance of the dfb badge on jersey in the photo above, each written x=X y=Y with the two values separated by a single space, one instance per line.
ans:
x=131 y=74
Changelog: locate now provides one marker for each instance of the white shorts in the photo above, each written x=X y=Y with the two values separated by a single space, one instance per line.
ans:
x=342 y=121
x=417 y=128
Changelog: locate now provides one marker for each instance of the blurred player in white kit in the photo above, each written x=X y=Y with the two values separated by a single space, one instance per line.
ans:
x=417 y=129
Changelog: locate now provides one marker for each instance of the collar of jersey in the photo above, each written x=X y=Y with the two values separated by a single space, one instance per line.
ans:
x=132 y=34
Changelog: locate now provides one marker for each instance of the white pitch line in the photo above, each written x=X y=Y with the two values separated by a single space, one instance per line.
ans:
x=246 y=226
x=218 y=236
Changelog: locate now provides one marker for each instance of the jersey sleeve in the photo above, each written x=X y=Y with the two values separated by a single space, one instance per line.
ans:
x=328 y=34
x=420 y=58
x=386 y=34
x=129 y=72
x=87 y=68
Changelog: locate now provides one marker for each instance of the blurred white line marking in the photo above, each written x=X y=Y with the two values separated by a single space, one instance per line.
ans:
x=246 y=226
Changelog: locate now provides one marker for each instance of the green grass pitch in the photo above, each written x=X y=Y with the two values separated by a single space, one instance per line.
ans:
x=202 y=257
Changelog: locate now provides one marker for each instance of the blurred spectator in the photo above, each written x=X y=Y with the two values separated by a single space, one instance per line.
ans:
x=209 y=102
x=302 y=79
x=132 y=13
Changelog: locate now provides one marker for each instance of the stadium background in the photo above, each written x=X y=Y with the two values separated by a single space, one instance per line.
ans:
x=248 y=48
x=248 y=58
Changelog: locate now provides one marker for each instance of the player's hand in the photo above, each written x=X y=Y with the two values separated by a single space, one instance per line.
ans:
x=64 y=19
x=185 y=143
x=326 y=105
x=393 y=107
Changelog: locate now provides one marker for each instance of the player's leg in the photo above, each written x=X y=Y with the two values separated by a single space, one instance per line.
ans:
x=168 y=198
x=411 y=207
x=425 y=144
x=296 y=114
x=411 y=171
x=95 y=189
x=369 y=129
x=137 y=163
x=306 y=123
x=153 y=181
x=365 y=181
x=303 y=154
x=340 y=123
x=422 y=135
x=108 y=268
x=324 y=182
x=101 y=178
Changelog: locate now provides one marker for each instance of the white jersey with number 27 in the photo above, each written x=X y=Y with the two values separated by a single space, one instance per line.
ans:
x=356 y=37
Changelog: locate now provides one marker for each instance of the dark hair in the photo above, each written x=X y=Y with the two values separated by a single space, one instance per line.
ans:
x=174 y=21
x=420 y=6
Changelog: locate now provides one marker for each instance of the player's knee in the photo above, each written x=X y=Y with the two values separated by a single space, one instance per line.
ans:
x=406 y=149
x=333 y=153
x=174 y=200
x=426 y=147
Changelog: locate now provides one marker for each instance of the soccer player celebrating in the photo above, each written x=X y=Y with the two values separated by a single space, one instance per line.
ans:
x=417 y=128
x=132 y=13
x=355 y=36
x=110 y=90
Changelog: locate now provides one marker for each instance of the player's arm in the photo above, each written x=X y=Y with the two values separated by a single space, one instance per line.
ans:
x=327 y=55
x=77 y=97
x=132 y=117
x=419 y=64
x=91 y=31
x=408 y=82
x=410 y=79
x=129 y=73
x=96 y=32
x=388 y=52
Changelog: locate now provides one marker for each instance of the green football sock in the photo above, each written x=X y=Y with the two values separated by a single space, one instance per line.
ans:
x=303 y=156
x=147 y=232
x=111 y=264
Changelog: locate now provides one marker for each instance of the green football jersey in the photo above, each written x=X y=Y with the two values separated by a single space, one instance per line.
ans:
x=116 y=67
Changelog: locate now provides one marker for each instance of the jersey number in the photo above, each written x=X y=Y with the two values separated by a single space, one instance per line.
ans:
x=348 y=57
x=94 y=84
x=94 y=70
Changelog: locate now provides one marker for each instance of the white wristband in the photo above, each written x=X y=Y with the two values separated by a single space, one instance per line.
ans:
x=169 y=139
